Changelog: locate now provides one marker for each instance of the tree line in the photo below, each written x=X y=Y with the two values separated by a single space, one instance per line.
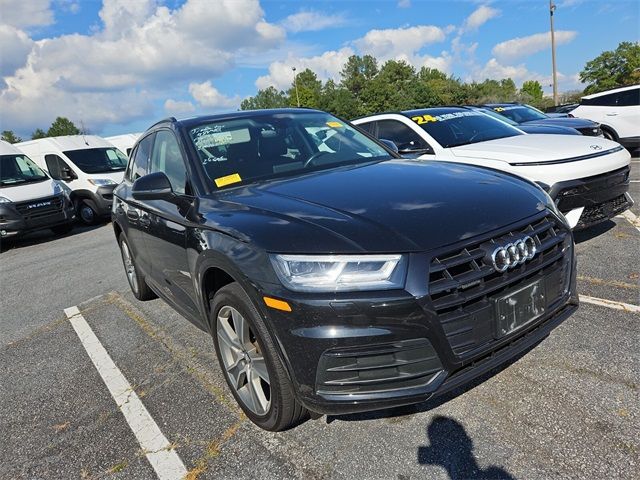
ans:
x=365 y=87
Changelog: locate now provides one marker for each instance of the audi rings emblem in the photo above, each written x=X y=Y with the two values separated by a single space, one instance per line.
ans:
x=513 y=254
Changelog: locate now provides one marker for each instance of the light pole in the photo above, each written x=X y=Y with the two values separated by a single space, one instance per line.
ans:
x=295 y=83
x=552 y=9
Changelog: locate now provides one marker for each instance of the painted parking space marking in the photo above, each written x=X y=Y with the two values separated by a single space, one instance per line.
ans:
x=158 y=450
x=627 y=307
x=631 y=217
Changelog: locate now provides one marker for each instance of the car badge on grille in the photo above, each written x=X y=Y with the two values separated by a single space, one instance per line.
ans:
x=595 y=147
x=512 y=254
x=38 y=205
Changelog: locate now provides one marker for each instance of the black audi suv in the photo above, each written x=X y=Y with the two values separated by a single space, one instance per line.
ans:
x=334 y=276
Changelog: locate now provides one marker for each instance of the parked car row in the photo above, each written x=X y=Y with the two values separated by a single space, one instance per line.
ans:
x=343 y=268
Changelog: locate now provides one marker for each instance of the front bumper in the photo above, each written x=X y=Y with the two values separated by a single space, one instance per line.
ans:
x=371 y=350
x=17 y=219
x=102 y=200
x=600 y=197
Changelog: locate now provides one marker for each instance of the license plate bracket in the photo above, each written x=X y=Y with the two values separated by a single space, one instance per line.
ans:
x=520 y=307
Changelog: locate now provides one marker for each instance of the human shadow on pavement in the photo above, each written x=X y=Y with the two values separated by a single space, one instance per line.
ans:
x=451 y=448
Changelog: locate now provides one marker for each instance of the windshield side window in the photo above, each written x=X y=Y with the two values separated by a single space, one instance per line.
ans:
x=98 y=160
x=140 y=160
x=167 y=158
x=399 y=133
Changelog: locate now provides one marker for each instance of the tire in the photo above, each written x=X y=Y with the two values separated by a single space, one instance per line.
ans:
x=609 y=134
x=270 y=404
x=139 y=287
x=86 y=213
x=62 y=229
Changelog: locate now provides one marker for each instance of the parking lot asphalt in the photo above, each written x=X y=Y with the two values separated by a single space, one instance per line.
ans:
x=569 y=408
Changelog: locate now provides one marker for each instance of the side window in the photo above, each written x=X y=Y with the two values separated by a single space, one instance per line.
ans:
x=602 y=101
x=629 y=98
x=167 y=158
x=54 y=166
x=403 y=136
x=368 y=127
x=140 y=160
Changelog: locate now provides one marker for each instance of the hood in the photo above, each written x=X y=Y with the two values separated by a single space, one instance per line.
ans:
x=548 y=129
x=28 y=191
x=393 y=206
x=535 y=148
x=564 y=122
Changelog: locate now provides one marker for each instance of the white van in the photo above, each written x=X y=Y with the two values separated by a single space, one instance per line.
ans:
x=89 y=165
x=618 y=112
x=29 y=199
x=124 y=142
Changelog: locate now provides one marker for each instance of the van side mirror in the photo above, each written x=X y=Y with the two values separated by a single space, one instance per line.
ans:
x=154 y=186
x=389 y=144
x=66 y=174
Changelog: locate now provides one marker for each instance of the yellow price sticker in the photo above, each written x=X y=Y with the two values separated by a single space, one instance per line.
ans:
x=499 y=109
x=227 y=180
x=424 y=119
x=334 y=124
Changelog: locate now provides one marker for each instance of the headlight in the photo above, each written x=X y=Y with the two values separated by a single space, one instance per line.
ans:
x=330 y=273
x=101 y=182
x=59 y=187
x=4 y=199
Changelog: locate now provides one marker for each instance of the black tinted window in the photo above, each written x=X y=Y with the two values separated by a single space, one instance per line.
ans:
x=53 y=165
x=167 y=158
x=140 y=159
x=98 y=160
x=629 y=98
x=462 y=127
x=400 y=134
x=602 y=100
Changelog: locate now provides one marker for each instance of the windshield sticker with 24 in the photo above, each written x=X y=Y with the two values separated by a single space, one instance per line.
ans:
x=422 y=119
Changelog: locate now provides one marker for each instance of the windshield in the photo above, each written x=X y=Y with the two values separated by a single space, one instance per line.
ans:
x=496 y=115
x=244 y=150
x=19 y=169
x=520 y=113
x=463 y=127
x=98 y=160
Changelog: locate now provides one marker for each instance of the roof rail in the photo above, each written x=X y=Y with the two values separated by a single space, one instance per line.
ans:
x=164 y=120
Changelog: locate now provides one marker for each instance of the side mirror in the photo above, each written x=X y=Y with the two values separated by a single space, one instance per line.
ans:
x=389 y=144
x=66 y=174
x=154 y=186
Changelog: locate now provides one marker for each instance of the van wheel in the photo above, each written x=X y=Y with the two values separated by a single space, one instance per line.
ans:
x=137 y=283
x=251 y=364
x=62 y=229
x=86 y=213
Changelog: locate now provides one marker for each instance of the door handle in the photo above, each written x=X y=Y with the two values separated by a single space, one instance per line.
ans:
x=133 y=214
x=144 y=220
x=612 y=114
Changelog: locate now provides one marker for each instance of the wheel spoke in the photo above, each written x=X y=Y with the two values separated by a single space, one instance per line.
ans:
x=247 y=398
x=260 y=368
x=237 y=372
x=258 y=397
x=241 y=328
x=227 y=335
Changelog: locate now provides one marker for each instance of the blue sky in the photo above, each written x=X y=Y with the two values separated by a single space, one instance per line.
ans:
x=118 y=65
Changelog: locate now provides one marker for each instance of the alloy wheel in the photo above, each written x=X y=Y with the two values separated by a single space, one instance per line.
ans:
x=129 y=267
x=243 y=360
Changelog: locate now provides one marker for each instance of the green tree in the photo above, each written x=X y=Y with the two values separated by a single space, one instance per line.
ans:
x=533 y=89
x=62 y=126
x=395 y=87
x=339 y=100
x=267 y=98
x=613 y=69
x=357 y=72
x=9 y=136
x=38 y=133
x=440 y=89
x=309 y=90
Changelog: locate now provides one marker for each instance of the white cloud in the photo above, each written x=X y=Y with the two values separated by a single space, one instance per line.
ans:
x=141 y=49
x=327 y=65
x=493 y=69
x=16 y=45
x=525 y=46
x=208 y=96
x=479 y=17
x=26 y=13
x=310 y=20
x=176 y=107
x=404 y=3
x=398 y=42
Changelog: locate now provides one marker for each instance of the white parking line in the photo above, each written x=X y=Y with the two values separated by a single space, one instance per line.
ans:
x=164 y=460
x=633 y=220
x=627 y=307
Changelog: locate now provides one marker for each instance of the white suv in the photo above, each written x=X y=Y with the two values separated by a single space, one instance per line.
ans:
x=618 y=112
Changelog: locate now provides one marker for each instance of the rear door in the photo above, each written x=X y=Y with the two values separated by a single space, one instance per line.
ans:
x=130 y=213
